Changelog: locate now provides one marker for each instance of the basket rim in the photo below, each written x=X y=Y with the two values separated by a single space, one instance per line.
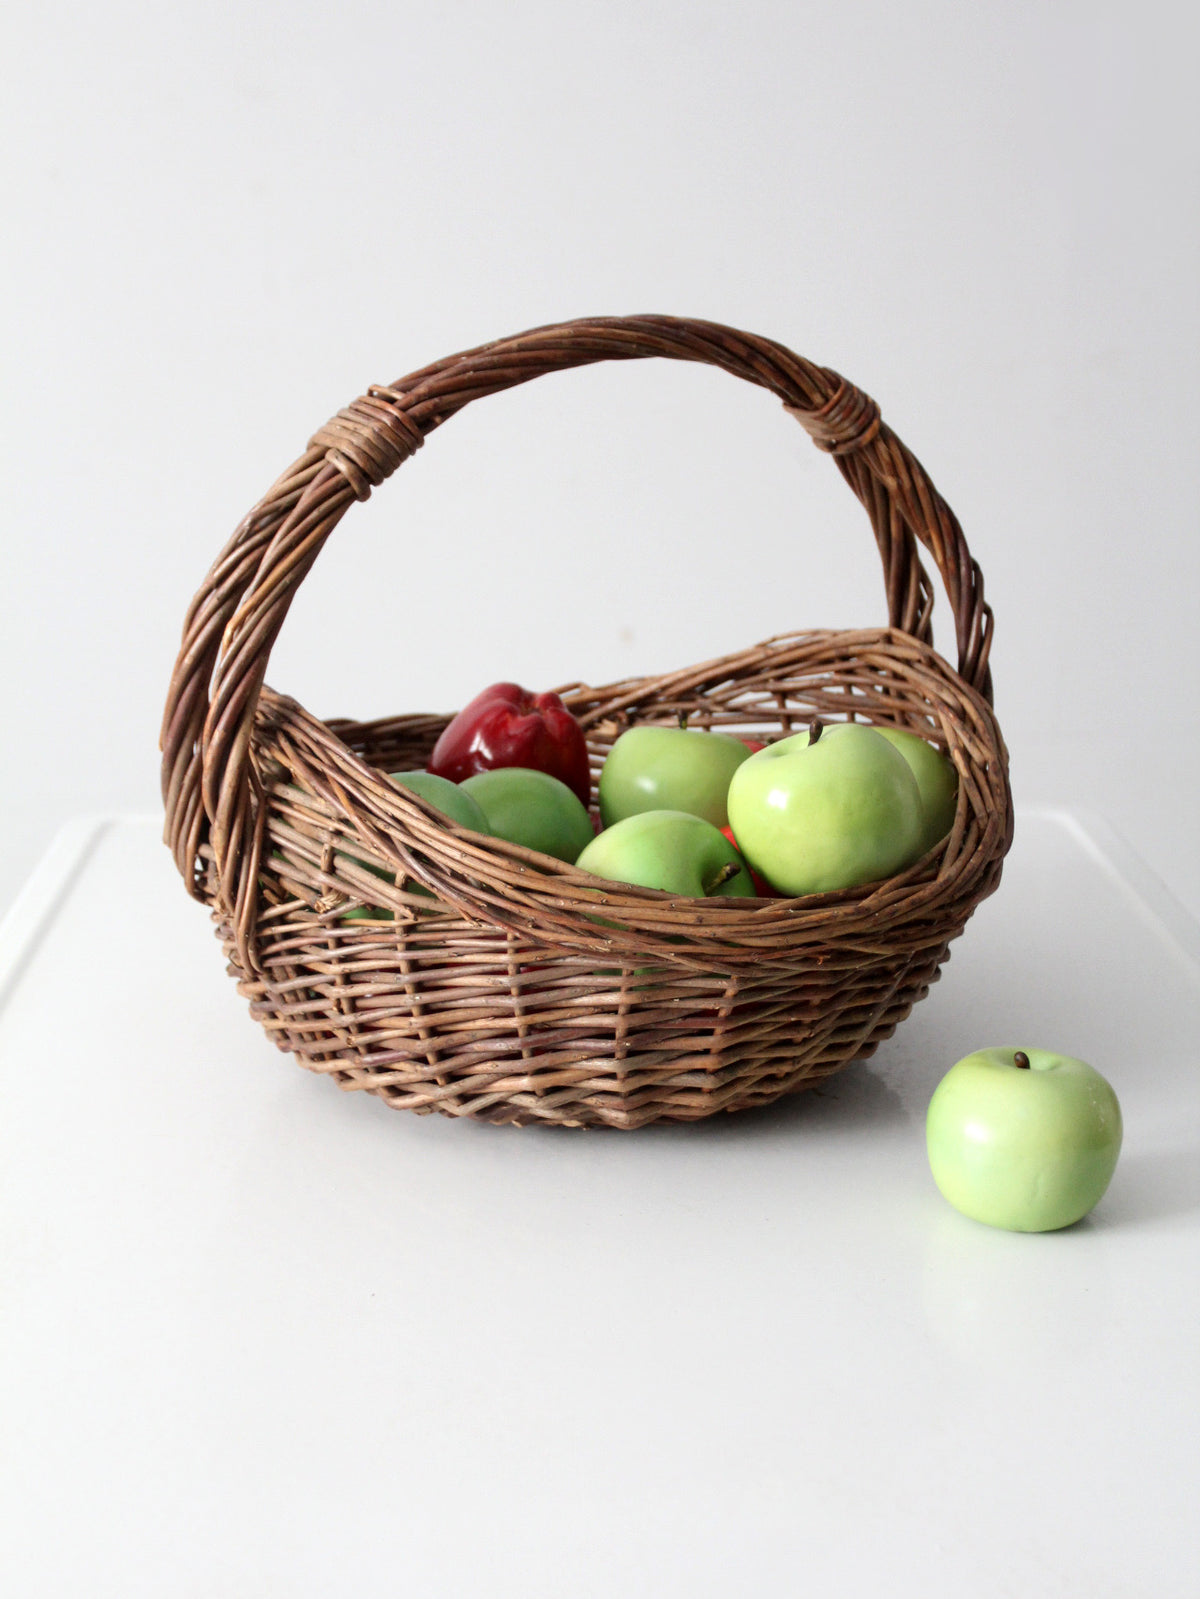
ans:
x=442 y=855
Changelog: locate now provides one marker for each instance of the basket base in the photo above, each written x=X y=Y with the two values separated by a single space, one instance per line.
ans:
x=566 y=1045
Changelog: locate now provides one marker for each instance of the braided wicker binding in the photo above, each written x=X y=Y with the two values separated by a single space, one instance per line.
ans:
x=494 y=981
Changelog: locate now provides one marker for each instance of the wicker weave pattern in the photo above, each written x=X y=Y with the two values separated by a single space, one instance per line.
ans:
x=521 y=990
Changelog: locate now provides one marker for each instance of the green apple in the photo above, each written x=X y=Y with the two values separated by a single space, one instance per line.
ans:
x=452 y=799
x=444 y=796
x=1023 y=1139
x=669 y=769
x=815 y=813
x=672 y=850
x=936 y=779
x=533 y=809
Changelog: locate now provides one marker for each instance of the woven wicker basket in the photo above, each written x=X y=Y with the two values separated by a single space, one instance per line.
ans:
x=495 y=982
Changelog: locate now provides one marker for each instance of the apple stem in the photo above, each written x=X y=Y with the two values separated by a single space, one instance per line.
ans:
x=730 y=869
x=683 y=721
x=815 y=728
x=1020 y=1058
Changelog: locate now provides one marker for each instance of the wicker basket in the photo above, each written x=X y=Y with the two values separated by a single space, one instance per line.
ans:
x=496 y=982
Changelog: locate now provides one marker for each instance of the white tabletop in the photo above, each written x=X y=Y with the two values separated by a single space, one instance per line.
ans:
x=261 y=1337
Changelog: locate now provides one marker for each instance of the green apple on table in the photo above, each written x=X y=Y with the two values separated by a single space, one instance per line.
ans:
x=670 y=850
x=937 y=781
x=830 y=808
x=669 y=769
x=531 y=808
x=1023 y=1139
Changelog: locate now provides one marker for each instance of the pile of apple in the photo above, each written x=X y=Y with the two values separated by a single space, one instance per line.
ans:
x=693 y=812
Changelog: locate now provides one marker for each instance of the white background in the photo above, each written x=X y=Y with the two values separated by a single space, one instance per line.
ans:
x=223 y=221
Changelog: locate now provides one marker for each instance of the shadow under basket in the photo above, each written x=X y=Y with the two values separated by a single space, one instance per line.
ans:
x=396 y=952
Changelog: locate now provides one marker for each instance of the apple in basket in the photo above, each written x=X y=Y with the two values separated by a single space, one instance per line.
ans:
x=670 y=769
x=533 y=809
x=506 y=725
x=831 y=808
x=452 y=799
x=761 y=887
x=670 y=850
x=453 y=802
x=1023 y=1139
x=936 y=779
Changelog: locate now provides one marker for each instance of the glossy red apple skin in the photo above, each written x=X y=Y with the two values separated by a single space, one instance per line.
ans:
x=506 y=725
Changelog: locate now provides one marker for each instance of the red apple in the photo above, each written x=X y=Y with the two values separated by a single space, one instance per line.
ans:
x=506 y=725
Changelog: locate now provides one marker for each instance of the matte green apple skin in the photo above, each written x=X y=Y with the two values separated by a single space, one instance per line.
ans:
x=452 y=799
x=446 y=797
x=669 y=769
x=936 y=779
x=813 y=818
x=533 y=809
x=671 y=850
x=1028 y=1149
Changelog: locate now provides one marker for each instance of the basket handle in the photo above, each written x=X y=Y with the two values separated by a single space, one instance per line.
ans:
x=210 y=783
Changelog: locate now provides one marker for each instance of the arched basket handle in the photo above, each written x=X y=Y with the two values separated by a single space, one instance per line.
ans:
x=210 y=783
